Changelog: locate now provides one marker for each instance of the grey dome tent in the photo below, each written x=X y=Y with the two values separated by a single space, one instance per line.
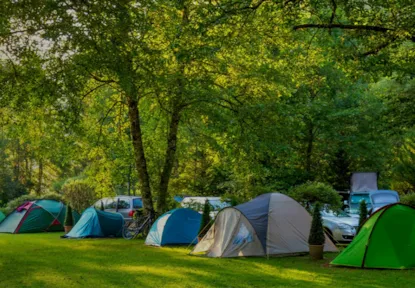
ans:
x=271 y=224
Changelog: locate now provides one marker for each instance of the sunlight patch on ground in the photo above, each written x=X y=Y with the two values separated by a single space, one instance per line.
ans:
x=292 y=274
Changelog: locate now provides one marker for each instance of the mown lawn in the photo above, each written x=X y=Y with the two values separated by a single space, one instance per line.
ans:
x=45 y=260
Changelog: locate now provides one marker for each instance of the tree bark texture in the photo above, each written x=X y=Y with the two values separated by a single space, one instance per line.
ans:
x=139 y=155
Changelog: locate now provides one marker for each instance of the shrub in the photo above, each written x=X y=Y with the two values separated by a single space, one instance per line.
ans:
x=362 y=213
x=233 y=200
x=206 y=221
x=317 y=236
x=408 y=199
x=25 y=198
x=310 y=193
x=102 y=206
x=79 y=194
x=69 y=216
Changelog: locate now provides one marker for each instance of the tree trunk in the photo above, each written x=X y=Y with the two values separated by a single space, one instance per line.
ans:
x=174 y=122
x=169 y=160
x=139 y=156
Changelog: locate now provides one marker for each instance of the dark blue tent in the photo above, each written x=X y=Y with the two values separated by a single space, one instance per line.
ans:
x=96 y=223
x=178 y=226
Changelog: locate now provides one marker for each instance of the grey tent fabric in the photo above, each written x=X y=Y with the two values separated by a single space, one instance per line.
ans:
x=256 y=211
x=364 y=181
x=271 y=224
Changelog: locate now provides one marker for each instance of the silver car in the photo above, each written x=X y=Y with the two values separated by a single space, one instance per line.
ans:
x=125 y=205
x=340 y=226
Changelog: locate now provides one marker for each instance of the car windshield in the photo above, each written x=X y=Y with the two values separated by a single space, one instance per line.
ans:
x=355 y=202
x=384 y=198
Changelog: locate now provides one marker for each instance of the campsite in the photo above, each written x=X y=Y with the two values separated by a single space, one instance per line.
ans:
x=224 y=143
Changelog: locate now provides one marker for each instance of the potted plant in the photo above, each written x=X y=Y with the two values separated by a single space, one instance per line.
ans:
x=206 y=221
x=68 y=219
x=317 y=237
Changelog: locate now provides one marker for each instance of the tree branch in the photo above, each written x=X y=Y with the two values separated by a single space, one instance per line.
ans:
x=92 y=90
x=343 y=26
x=378 y=48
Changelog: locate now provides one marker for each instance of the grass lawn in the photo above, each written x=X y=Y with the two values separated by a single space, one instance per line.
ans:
x=45 y=260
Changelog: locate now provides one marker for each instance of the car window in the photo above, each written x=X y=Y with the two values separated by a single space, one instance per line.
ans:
x=384 y=198
x=137 y=203
x=123 y=204
x=111 y=204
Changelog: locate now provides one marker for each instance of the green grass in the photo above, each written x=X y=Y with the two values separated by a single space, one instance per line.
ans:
x=45 y=260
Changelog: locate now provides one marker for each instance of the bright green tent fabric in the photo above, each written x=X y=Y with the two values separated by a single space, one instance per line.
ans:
x=2 y=216
x=386 y=240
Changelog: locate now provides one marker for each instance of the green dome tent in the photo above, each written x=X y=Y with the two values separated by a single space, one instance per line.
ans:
x=386 y=240
x=2 y=216
x=36 y=216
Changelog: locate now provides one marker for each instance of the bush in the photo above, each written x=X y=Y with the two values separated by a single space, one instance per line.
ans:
x=310 y=193
x=69 y=216
x=408 y=199
x=79 y=194
x=102 y=206
x=362 y=213
x=25 y=198
x=206 y=221
x=317 y=236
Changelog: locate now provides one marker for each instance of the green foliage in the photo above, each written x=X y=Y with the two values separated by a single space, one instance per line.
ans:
x=310 y=193
x=79 y=194
x=317 y=236
x=25 y=198
x=408 y=199
x=363 y=213
x=206 y=220
x=69 y=216
x=404 y=169
x=242 y=127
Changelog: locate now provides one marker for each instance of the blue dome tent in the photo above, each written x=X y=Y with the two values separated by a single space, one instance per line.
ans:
x=95 y=223
x=178 y=226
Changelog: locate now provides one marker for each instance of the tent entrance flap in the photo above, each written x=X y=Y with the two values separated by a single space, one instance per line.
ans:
x=175 y=227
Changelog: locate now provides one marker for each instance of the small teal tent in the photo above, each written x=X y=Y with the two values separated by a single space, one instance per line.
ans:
x=96 y=223
x=178 y=226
